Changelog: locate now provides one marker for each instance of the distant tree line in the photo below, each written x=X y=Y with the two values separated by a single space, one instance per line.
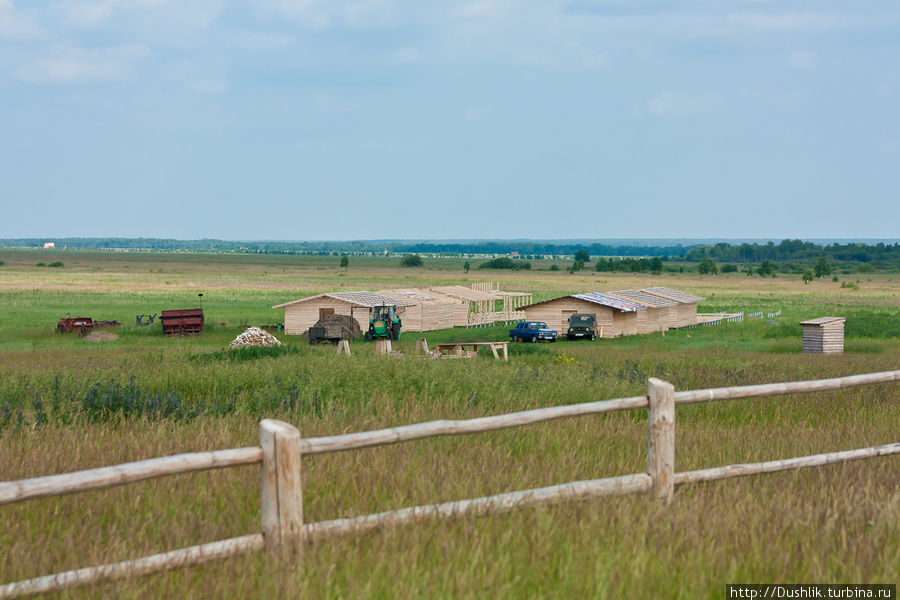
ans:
x=795 y=250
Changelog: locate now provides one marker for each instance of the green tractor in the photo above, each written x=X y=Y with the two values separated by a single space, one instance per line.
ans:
x=384 y=324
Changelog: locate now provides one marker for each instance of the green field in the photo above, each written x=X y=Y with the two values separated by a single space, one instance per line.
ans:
x=68 y=404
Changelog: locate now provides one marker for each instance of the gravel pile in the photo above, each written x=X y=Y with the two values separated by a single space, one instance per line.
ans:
x=254 y=336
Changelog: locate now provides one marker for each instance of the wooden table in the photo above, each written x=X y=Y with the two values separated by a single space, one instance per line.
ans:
x=460 y=347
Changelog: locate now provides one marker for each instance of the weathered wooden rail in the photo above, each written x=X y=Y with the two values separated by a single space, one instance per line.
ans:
x=281 y=448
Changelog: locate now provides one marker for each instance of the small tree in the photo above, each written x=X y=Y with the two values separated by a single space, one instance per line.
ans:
x=345 y=262
x=656 y=265
x=822 y=267
x=411 y=260
x=707 y=267
x=808 y=276
x=583 y=255
x=766 y=268
x=466 y=267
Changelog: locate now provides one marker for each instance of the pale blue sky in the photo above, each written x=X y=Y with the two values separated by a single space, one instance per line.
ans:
x=306 y=119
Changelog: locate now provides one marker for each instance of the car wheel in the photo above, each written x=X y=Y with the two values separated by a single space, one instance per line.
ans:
x=533 y=339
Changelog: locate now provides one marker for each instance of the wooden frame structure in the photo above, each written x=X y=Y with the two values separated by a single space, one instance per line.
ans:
x=281 y=449
x=484 y=307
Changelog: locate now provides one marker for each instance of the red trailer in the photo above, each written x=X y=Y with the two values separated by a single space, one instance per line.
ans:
x=68 y=324
x=188 y=321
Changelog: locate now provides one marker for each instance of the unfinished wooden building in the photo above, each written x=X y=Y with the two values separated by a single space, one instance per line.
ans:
x=613 y=316
x=656 y=317
x=300 y=315
x=684 y=314
x=824 y=335
x=427 y=311
x=484 y=307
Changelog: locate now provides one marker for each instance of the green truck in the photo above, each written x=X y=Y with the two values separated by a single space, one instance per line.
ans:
x=581 y=327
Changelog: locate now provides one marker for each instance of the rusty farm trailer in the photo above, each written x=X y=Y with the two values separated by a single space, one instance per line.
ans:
x=185 y=321
x=300 y=315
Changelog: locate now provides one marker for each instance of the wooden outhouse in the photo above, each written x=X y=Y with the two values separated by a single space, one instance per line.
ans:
x=300 y=315
x=684 y=313
x=426 y=311
x=824 y=335
x=657 y=314
x=613 y=316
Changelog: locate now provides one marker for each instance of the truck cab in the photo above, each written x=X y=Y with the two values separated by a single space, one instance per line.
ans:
x=581 y=327
x=532 y=331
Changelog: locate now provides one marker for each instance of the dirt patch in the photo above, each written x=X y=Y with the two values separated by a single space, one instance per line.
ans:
x=100 y=336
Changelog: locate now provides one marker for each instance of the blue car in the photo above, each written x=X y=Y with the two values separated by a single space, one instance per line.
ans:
x=532 y=331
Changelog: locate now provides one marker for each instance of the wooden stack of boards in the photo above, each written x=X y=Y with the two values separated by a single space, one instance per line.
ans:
x=824 y=335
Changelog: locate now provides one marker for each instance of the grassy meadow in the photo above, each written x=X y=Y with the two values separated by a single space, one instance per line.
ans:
x=68 y=404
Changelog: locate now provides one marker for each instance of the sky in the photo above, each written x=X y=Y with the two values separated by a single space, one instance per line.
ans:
x=375 y=119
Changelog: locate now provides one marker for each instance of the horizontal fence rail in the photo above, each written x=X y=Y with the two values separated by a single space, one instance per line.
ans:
x=94 y=479
x=406 y=433
x=281 y=448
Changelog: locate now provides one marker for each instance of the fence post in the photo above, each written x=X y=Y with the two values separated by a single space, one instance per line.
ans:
x=281 y=497
x=661 y=438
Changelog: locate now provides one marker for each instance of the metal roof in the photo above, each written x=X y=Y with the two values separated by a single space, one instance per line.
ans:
x=361 y=298
x=464 y=293
x=823 y=320
x=645 y=298
x=676 y=295
x=604 y=300
x=418 y=296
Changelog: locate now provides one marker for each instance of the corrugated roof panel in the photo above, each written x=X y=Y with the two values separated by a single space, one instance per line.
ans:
x=676 y=295
x=645 y=298
x=368 y=299
x=604 y=300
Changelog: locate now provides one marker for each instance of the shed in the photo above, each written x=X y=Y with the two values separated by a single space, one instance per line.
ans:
x=613 y=316
x=658 y=314
x=427 y=311
x=684 y=314
x=300 y=315
x=824 y=335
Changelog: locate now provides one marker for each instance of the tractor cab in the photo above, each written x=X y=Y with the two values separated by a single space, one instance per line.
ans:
x=384 y=323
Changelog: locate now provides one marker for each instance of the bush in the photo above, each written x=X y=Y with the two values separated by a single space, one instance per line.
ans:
x=411 y=260
x=707 y=267
x=808 y=276
x=2 y=263
x=57 y=264
x=554 y=267
x=729 y=268
x=504 y=262
x=41 y=265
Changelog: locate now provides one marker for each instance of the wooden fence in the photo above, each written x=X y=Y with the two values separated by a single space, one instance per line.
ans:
x=281 y=448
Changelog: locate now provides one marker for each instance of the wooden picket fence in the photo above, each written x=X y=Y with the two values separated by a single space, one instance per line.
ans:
x=281 y=448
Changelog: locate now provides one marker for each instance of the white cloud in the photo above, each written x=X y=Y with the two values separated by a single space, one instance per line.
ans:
x=803 y=59
x=16 y=26
x=675 y=105
x=76 y=65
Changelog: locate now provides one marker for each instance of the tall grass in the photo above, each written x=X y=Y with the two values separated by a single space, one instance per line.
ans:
x=67 y=404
